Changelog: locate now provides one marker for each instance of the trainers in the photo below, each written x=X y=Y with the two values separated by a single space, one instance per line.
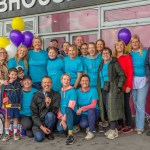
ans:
x=100 y=129
x=106 y=133
x=112 y=134
x=127 y=130
x=5 y=138
x=138 y=131
x=89 y=136
x=76 y=129
x=16 y=137
x=148 y=133
x=50 y=136
x=70 y=140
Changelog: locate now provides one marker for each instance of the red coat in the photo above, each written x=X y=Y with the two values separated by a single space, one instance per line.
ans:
x=126 y=64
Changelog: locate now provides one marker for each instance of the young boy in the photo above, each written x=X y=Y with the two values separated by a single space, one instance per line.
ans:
x=10 y=98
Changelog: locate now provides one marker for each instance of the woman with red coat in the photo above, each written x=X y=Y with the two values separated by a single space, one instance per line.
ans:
x=125 y=62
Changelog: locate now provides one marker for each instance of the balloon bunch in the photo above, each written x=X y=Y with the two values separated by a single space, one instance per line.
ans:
x=16 y=37
x=125 y=35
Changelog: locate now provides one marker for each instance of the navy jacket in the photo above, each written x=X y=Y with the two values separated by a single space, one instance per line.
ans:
x=13 y=92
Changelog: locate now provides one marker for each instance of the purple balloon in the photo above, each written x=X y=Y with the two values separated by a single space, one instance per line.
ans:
x=16 y=37
x=28 y=37
x=125 y=35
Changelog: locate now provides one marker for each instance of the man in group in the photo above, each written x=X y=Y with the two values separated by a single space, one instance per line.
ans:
x=79 y=40
x=44 y=108
x=54 y=43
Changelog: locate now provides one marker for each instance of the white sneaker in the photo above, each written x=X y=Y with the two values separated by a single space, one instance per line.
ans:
x=89 y=136
x=112 y=134
x=106 y=133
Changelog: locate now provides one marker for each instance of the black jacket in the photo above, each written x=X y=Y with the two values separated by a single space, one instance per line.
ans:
x=39 y=109
x=147 y=65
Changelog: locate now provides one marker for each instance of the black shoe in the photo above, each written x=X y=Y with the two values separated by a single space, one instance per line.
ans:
x=50 y=136
x=101 y=129
x=70 y=140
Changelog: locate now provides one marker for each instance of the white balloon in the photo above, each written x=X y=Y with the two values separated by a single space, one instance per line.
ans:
x=11 y=50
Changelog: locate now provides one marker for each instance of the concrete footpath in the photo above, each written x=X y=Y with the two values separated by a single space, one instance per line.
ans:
x=124 y=142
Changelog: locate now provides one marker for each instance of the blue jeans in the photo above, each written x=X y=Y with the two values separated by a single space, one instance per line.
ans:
x=49 y=121
x=139 y=99
x=71 y=119
x=89 y=119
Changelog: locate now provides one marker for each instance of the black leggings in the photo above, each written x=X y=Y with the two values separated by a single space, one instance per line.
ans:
x=27 y=124
x=127 y=109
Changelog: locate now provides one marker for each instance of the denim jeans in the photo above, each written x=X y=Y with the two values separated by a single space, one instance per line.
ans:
x=89 y=119
x=71 y=119
x=139 y=99
x=49 y=121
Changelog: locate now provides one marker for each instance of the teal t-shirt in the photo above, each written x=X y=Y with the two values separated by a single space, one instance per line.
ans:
x=72 y=67
x=55 y=69
x=138 y=63
x=26 y=102
x=66 y=96
x=104 y=74
x=85 y=98
x=37 y=64
x=12 y=63
x=91 y=66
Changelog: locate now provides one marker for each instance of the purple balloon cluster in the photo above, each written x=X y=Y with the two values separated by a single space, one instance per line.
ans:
x=18 y=38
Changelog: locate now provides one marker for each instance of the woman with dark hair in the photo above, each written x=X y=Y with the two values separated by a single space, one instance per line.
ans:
x=111 y=79
x=100 y=44
x=88 y=107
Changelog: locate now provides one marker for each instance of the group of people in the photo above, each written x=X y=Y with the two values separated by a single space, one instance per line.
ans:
x=78 y=87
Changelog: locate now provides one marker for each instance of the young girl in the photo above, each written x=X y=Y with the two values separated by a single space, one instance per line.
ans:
x=11 y=101
x=140 y=84
x=125 y=62
x=55 y=68
x=20 y=59
x=73 y=66
x=67 y=116
x=88 y=107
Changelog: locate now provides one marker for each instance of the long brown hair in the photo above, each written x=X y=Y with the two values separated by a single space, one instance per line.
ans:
x=25 y=58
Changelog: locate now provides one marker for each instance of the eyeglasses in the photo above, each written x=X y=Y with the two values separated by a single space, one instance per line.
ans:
x=2 y=53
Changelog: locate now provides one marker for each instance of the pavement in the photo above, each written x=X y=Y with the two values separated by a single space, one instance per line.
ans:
x=131 y=141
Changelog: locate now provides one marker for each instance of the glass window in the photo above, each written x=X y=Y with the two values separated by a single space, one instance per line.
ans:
x=68 y=21
x=127 y=13
x=110 y=35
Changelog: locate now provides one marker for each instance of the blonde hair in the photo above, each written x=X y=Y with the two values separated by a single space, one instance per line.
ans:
x=65 y=74
x=74 y=47
x=37 y=38
x=138 y=38
x=124 y=47
x=1 y=48
x=25 y=58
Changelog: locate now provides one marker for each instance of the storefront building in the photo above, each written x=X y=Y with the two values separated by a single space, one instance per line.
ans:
x=65 y=19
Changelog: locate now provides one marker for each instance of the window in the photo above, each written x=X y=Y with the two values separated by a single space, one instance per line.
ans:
x=30 y=25
x=69 y=21
x=0 y=28
x=110 y=35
